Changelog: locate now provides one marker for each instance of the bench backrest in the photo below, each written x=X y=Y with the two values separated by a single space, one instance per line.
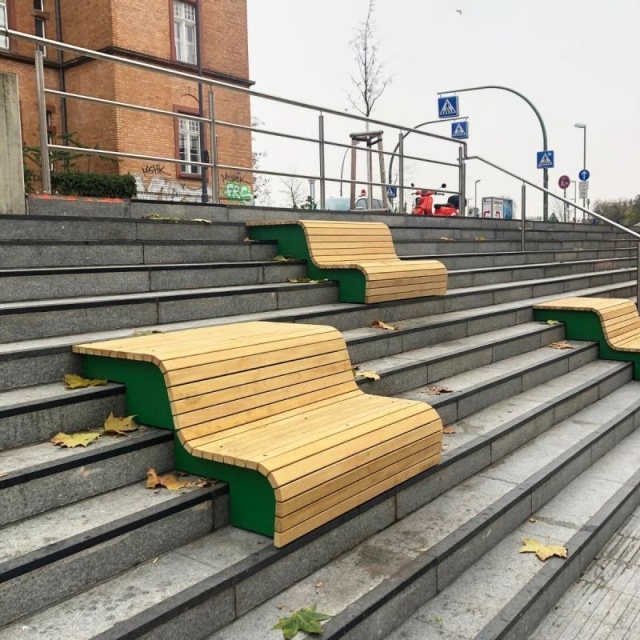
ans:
x=223 y=377
x=339 y=243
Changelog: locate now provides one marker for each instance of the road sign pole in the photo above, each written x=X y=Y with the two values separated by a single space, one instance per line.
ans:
x=564 y=217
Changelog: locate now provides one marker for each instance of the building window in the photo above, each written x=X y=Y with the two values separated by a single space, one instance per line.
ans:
x=189 y=145
x=185 y=31
x=41 y=33
x=38 y=5
x=4 y=41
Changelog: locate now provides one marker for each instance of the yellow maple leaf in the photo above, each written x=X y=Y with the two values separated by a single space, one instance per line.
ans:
x=563 y=344
x=370 y=375
x=544 y=552
x=168 y=481
x=72 y=440
x=378 y=324
x=120 y=426
x=74 y=381
x=437 y=390
x=449 y=430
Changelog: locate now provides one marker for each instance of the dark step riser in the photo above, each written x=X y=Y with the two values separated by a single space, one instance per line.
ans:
x=55 y=581
x=40 y=324
x=52 y=286
x=39 y=494
x=35 y=424
x=435 y=246
x=67 y=255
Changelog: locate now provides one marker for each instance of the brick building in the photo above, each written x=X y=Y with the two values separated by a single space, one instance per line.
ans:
x=207 y=37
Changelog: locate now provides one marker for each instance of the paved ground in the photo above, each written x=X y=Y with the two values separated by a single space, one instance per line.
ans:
x=605 y=602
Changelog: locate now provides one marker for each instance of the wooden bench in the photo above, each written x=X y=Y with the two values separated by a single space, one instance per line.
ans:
x=612 y=322
x=274 y=410
x=359 y=255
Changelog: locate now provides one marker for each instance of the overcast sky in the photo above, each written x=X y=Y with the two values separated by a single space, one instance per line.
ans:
x=576 y=60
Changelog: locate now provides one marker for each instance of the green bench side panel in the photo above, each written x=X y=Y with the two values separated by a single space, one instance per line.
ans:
x=292 y=243
x=251 y=498
x=586 y=325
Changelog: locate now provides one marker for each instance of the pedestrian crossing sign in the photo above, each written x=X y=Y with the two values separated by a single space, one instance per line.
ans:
x=545 y=160
x=448 y=107
x=460 y=130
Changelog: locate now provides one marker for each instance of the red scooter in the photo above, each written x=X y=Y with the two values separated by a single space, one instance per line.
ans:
x=424 y=205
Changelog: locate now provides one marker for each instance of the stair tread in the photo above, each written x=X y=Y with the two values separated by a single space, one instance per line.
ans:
x=52 y=528
x=464 y=607
x=49 y=393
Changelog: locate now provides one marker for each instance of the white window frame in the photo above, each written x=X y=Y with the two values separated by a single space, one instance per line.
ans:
x=189 y=146
x=43 y=22
x=185 y=31
x=4 y=21
x=38 y=5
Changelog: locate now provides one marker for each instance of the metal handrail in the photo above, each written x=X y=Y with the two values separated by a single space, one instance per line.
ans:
x=81 y=51
x=604 y=219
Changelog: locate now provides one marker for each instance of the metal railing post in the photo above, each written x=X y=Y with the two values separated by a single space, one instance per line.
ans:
x=400 y=173
x=524 y=215
x=462 y=179
x=215 y=186
x=323 y=194
x=45 y=166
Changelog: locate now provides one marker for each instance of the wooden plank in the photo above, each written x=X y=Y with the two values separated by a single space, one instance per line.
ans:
x=283 y=436
x=405 y=284
x=378 y=458
x=374 y=477
x=293 y=464
x=262 y=383
x=283 y=538
x=296 y=414
x=235 y=419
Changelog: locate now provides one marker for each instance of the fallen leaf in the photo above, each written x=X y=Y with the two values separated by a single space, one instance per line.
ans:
x=200 y=220
x=544 y=552
x=563 y=344
x=378 y=324
x=145 y=332
x=532 y=520
x=444 y=238
x=319 y=584
x=436 y=390
x=120 y=426
x=370 y=375
x=284 y=259
x=305 y=281
x=167 y=481
x=306 y=619
x=448 y=430
x=552 y=322
x=3 y=475
x=72 y=440
x=480 y=238
x=74 y=381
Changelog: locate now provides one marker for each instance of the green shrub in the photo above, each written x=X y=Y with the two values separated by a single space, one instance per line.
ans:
x=93 y=185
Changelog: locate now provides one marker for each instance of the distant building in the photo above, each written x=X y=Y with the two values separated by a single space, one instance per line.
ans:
x=168 y=33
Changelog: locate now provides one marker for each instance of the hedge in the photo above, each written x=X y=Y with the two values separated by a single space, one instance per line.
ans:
x=93 y=185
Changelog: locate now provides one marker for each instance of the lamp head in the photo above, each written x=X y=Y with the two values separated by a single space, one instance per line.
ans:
x=580 y=126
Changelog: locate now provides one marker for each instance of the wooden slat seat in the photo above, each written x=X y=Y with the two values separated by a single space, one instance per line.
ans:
x=274 y=410
x=613 y=322
x=359 y=255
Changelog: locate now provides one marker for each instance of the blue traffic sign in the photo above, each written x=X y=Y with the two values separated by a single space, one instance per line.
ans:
x=460 y=130
x=448 y=107
x=584 y=175
x=392 y=192
x=545 y=159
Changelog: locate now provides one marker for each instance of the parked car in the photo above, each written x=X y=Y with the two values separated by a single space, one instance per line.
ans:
x=362 y=203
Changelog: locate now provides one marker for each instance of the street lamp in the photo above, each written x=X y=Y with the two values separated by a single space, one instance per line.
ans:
x=577 y=125
x=475 y=194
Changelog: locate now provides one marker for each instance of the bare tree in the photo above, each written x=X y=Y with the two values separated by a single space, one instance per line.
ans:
x=294 y=191
x=370 y=81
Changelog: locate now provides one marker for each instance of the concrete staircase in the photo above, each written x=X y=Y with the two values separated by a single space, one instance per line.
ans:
x=542 y=442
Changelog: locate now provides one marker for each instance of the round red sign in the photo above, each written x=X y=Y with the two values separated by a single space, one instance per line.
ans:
x=564 y=182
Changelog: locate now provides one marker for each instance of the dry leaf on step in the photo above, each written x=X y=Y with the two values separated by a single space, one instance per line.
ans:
x=448 y=430
x=72 y=440
x=370 y=375
x=436 y=390
x=74 y=381
x=551 y=322
x=307 y=620
x=544 y=552
x=168 y=481
x=120 y=426
x=378 y=324
x=444 y=238
x=563 y=344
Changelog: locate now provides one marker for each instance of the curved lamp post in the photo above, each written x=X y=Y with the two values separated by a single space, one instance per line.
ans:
x=584 y=156
x=545 y=172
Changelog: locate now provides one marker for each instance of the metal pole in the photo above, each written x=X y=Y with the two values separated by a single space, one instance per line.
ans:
x=203 y=146
x=638 y=274
x=215 y=187
x=400 y=173
x=462 y=181
x=584 y=161
x=45 y=166
x=524 y=214
x=369 y=175
x=323 y=194
x=545 y=172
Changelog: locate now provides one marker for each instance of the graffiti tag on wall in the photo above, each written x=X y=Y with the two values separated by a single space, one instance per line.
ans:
x=154 y=170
